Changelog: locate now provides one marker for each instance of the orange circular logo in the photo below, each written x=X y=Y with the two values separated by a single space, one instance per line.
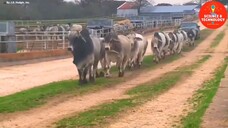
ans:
x=213 y=14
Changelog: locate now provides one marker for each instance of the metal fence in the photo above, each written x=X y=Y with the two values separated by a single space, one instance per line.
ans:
x=33 y=41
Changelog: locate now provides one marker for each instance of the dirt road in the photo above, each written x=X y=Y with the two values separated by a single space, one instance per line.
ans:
x=46 y=115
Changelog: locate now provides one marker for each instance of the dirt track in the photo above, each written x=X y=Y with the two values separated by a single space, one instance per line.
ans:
x=44 y=116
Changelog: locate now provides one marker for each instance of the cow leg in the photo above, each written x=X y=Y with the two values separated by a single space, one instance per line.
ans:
x=95 y=74
x=91 y=76
x=84 y=75
x=156 y=55
x=123 y=66
x=179 y=48
x=108 y=71
x=102 y=73
x=80 y=76
x=120 y=69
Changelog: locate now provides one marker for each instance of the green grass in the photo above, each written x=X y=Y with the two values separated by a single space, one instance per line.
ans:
x=218 y=39
x=37 y=96
x=203 y=35
x=99 y=116
x=96 y=116
x=203 y=98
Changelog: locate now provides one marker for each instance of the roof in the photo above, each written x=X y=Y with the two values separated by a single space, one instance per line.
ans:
x=167 y=9
x=128 y=5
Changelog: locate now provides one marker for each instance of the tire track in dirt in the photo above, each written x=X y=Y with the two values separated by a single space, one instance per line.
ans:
x=166 y=109
x=48 y=114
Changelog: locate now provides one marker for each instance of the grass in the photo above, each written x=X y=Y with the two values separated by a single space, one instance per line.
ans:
x=37 y=96
x=99 y=116
x=203 y=98
x=218 y=39
x=203 y=35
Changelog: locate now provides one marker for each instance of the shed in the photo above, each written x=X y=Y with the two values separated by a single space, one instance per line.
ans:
x=167 y=12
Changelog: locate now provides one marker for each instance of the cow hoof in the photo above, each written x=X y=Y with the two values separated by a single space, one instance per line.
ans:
x=84 y=82
x=156 y=61
x=80 y=82
x=92 y=80
x=101 y=74
x=108 y=76
x=97 y=75
x=121 y=74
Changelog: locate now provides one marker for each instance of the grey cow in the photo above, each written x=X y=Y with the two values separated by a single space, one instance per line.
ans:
x=117 y=50
x=138 y=49
x=86 y=50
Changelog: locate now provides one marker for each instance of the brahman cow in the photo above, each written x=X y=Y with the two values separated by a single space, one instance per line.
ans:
x=117 y=50
x=86 y=50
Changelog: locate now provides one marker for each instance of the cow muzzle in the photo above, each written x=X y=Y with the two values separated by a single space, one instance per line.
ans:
x=107 y=48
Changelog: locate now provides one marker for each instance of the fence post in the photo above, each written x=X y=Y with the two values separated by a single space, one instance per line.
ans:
x=63 y=39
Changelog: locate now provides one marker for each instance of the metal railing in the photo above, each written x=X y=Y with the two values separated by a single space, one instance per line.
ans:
x=33 y=41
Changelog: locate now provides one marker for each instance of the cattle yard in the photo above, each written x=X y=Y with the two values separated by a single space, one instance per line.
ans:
x=173 y=93
x=29 y=35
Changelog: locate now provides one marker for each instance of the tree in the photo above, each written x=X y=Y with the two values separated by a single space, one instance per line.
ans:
x=142 y=3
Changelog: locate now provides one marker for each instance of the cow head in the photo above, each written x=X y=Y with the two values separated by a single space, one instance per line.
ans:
x=75 y=32
x=109 y=40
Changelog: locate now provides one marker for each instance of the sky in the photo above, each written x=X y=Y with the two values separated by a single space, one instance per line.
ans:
x=164 y=1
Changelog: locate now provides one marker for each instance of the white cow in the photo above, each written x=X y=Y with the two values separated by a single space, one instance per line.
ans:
x=138 y=49
x=160 y=45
